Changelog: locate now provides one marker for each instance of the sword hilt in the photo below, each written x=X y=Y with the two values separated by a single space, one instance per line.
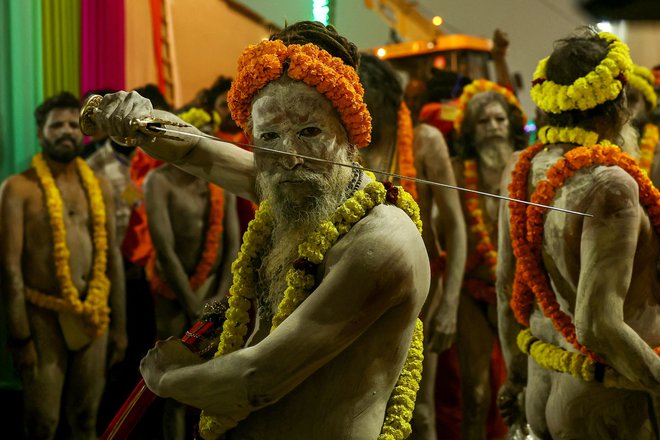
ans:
x=149 y=125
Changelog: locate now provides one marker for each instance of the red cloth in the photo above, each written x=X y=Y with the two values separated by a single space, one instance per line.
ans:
x=441 y=115
x=448 y=400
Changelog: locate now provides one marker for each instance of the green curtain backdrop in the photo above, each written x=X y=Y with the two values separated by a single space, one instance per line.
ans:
x=61 y=46
x=20 y=92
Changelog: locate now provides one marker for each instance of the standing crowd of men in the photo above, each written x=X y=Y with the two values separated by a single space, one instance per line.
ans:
x=359 y=306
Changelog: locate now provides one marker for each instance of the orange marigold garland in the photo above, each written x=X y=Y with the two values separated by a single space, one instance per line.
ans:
x=485 y=252
x=209 y=254
x=404 y=147
x=480 y=86
x=262 y=63
x=527 y=227
x=647 y=145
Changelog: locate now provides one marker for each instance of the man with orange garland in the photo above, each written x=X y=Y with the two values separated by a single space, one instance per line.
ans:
x=585 y=288
x=642 y=101
x=421 y=153
x=489 y=127
x=334 y=262
x=194 y=230
x=63 y=277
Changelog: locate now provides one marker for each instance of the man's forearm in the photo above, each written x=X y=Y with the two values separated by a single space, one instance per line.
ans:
x=117 y=298
x=12 y=285
x=176 y=278
x=508 y=328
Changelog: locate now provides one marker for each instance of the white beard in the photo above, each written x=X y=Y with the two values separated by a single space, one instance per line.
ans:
x=630 y=140
x=294 y=220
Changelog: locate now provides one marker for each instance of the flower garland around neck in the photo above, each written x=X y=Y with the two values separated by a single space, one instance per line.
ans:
x=602 y=84
x=481 y=86
x=485 y=252
x=404 y=148
x=643 y=80
x=209 y=254
x=527 y=227
x=94 y=310
x=647 y=146
x=300 y=283
x=265 y=62
x=570 y=135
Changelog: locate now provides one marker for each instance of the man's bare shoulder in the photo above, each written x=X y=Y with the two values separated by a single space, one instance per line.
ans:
x=385 y=239
x=611 y=189
x=430 y=140
x=21 y=185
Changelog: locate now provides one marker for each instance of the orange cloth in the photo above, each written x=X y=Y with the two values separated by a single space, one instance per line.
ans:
x=137 y=246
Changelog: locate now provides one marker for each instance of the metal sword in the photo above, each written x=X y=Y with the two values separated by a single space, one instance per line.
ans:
x=155 y=127
x=164 y=130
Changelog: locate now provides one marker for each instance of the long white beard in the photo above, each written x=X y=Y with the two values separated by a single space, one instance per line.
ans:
x=294 y=219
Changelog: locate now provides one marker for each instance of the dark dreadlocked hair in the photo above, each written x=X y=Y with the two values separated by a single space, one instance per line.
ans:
x=572 y=58
x=325 y=37
x=59 y=101
x=382 y=92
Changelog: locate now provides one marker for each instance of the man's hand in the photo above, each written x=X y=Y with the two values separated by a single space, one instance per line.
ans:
x=117 y=343
x=500 y=44
x=166 y=356
x=511 y=403
x=25 y=359
x=117 y=111
x=441 y=333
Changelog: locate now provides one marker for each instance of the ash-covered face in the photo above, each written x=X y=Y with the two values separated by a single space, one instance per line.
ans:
x=492 y=123
x=293 y=117
x=60 y=137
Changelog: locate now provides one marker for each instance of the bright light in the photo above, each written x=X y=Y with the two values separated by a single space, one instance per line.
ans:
x=321 y=11
x=381 y=52
x=604 y=26
x=437 y=20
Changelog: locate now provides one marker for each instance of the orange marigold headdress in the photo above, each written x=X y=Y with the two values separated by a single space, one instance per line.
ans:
x=480 y=86
x=262 y=63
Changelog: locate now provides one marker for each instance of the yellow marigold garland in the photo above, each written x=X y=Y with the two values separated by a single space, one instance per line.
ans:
x=262 y=63
x=555 y=358
x=569 y=135
x=404 y=148
x=647 y=146
x=301 y=281
x=643 y=80
x=602 y=84
x=480 y=86
x=94 y=310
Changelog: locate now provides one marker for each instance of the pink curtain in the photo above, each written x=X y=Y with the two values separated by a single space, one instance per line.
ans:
x=102 y=45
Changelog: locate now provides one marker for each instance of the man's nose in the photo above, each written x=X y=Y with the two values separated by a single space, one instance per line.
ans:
x=290 y=161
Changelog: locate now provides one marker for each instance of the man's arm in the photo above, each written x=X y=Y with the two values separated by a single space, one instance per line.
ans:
x=450 y=226
x=508 y=328
x=368 y=272
x=219 y=162
x=230 y=247
x=118 y=340
x=156 y=193
x=12 y=205
x=608 y=251
x=500 y=46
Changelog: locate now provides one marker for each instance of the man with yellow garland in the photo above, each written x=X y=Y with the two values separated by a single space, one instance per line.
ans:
x=642 y=101
x=63 y=277
x=194 y=229
x=420 y=152
x=334 y=262
x=583 y=288
x=489 y=127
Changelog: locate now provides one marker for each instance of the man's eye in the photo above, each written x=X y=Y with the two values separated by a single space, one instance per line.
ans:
x=310 y=131
x=269 y=136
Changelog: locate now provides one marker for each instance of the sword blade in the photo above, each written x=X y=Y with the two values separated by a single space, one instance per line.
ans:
x=386 y=173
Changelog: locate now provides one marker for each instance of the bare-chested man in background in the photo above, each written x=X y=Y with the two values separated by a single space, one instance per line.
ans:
x=443 y=232
x=182 y=210
x=603 y=269
x=62 y=362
